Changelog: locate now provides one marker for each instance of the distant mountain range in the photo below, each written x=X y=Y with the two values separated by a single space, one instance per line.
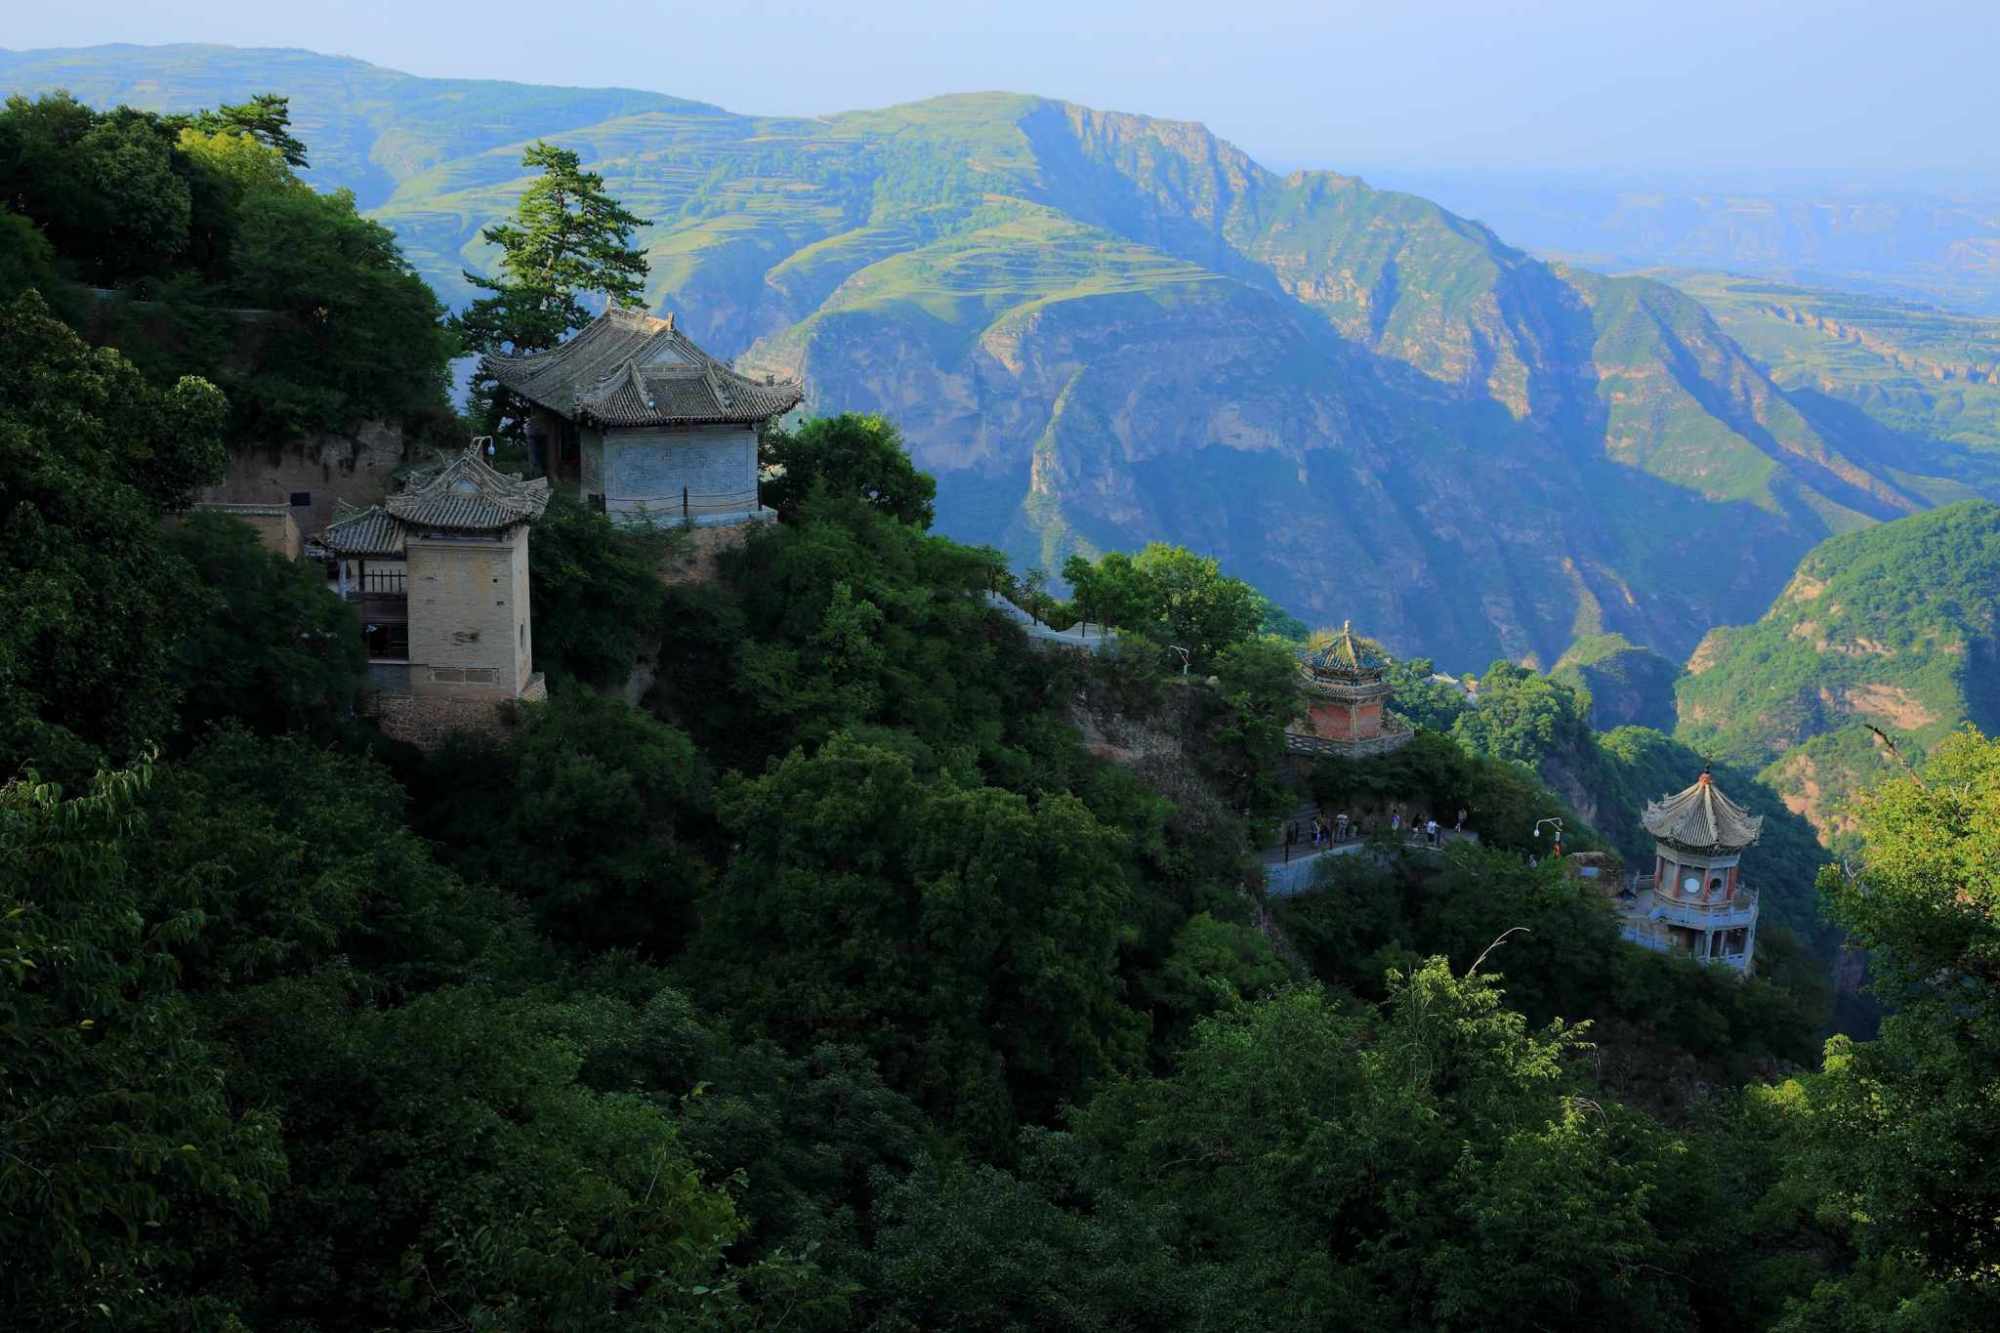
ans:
x=1100 y=329
x=1927 y=236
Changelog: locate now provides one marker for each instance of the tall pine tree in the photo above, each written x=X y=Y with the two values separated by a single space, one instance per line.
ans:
x=567 y=238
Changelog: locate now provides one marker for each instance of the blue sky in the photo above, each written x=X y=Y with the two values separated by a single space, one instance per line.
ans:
x=1693 y=85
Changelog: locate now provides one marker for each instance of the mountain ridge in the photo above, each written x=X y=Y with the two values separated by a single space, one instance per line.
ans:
x=1098 y=329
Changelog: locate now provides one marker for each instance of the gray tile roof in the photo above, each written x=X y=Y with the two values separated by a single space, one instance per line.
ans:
x=1702 y=819
x=360 y=533
x=465 y=495
x=628 y=368
x=469 y=496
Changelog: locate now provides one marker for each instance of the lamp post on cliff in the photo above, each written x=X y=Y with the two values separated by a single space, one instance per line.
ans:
x=1184 y=657
x=1559 y=832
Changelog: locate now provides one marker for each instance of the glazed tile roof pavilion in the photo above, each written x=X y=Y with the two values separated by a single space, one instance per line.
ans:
x=1347 y=698
x=1701 y=819
x=1695 y=902
x=465 y=496
x=646 y=423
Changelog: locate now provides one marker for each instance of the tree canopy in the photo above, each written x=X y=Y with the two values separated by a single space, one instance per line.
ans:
x=224 y=262
x=568 y=239
x=851 y=456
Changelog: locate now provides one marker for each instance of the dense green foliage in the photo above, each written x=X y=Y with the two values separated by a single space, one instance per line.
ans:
x=592 y=584
x=857 y=457
x=91 y=596
x=884 y=970
x=1899 y=1134
x=264 y=645
x=1895 y=628
x=1170 y=595
x=226 y=263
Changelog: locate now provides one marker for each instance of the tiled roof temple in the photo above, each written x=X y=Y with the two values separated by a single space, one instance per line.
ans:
x=628 y=368
x=1346 y=656
x=1702 y=819
x=466 y=495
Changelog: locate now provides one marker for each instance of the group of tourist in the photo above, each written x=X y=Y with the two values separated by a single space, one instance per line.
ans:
x=1324 y=832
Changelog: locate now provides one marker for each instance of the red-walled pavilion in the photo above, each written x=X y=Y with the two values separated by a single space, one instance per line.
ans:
x=1347 y=698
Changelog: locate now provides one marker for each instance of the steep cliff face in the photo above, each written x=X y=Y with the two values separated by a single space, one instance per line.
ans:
x=1100 y=329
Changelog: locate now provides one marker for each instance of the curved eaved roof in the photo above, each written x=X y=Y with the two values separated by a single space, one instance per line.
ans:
x=468 y=496
x=465 y=495
x=628 y=368
x=1346 y=654
x=1702 y=819
x=360 y=533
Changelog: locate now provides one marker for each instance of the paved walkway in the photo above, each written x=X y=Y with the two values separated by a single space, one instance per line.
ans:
x=1284 y=878
x=1089 y=638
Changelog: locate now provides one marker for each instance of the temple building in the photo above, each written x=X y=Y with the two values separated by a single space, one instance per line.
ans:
x=647 y=425
x=1695 y=902
x=439 y=573
x=1347 y=699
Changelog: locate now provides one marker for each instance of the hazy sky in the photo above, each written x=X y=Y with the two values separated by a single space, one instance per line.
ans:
x=1684 y=84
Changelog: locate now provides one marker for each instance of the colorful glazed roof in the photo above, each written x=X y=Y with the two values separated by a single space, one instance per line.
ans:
x=628 y=368
x=1346 y=655
x=1702 y=819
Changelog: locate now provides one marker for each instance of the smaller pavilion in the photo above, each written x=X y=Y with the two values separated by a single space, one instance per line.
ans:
x=1347 y=697
x=1695 y=902
x=647 y=425
x=439 y=573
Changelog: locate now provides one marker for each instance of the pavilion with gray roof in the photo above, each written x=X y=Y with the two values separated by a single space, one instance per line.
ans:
x=439 y=575
x=648 y=425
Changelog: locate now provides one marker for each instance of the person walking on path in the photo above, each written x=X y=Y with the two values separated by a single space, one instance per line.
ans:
x=1461 y=819
x=1340 y=826
x=1432 y=829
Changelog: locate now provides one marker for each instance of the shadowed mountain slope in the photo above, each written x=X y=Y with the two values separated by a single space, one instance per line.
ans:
x=1100 y=329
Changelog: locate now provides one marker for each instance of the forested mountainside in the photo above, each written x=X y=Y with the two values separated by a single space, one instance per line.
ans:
x=1628 y=685
x=1099 y=329
x=1895 y=628
x=1931 y=237
x=881 y=968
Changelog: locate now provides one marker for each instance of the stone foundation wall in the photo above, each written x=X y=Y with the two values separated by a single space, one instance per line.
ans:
x=1303 y=743
x=356 y=469
x=695 y=561
x=425 y=720
x=273 y=524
